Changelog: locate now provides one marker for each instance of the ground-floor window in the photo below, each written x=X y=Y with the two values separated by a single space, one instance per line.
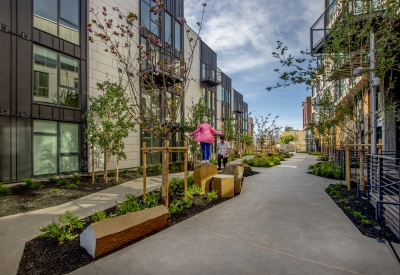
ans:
x=56 y=147
x=152 y=141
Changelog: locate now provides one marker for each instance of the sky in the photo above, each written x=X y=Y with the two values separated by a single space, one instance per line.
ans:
x=243 y=33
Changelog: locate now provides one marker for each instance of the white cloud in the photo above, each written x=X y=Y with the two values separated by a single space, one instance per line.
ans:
x=244 y=33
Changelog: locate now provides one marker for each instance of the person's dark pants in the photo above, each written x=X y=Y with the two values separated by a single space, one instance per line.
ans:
x=225 y=160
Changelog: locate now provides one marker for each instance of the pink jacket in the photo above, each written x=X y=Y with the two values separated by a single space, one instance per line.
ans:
x=204 y=133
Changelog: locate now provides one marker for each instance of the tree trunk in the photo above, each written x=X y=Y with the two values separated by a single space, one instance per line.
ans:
x=92 y=163
x=165 y=170
x=119 y=149
x=105 y=165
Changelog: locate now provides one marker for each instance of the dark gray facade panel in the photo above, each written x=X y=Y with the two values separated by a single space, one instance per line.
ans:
x=13 y=75
x=46 y=112
x=24 y=75
x=83 y=84
x=77 y=115
x=46 y=39
x=5 y=13
x=5 y=155
x=35 y=110
x=208 y=56
x=24 y=16
x=56 y=113
x=77 y=52
x=5 y=71
x=69 y=115
x=13 y=158
x=69 y=48
x=56 y=43
x=36 y=35
x=24 y=148
x=83 y=32
x=13 y=13
x=226 y=81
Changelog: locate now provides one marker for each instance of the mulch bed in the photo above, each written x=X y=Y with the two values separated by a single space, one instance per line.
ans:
x=24 y=199
x=46 y=256
x=355 y=205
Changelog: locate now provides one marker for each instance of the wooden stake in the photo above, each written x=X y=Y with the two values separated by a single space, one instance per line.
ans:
x=118 y=151
x=144 y=160
x=165 y=169
x=348 y=165
x=362 y=169
x=92 y=148
x=185 y=163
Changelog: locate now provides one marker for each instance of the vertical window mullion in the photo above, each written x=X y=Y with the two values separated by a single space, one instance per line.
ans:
x=58 y=148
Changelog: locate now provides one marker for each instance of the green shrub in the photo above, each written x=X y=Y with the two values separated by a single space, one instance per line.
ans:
x=63 y=228
x=99 y=216
x=52 y=179
x=111 y=173
x=4 y=190
x=193 y=190
x=36 y=186
x=316 y=153
x=179 y=206
x=56 y=190
x=213 y=195
x=176 y=185
x=173 y=168
x=76 y=177
x=326 y=169
x=348 y=208
x=63 y=182
x=343 y=201
x=359 y=215
x=126 y=171
x=129 y=205
x=190 y=180
x=72 y=186
x=152 y=200
x=28 y=181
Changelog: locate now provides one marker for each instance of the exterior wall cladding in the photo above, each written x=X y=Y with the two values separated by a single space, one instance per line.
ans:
x=41 y=132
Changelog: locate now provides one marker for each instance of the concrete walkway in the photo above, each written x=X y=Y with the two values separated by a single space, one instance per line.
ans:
x=282 y=223
x=18 y=229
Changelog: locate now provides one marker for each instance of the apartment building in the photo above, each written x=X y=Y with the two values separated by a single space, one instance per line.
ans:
x=347 y=81
x=307 y=124
x=49 y=69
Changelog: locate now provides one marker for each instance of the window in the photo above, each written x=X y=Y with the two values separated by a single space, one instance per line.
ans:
x=213 y=74
x=55 y=84
x=40 y=84
x=56 y=147
x=222 y=94
x=168 y=29
x=203 y=70
x=147 y=18
x=58 y=17
x=177 y=36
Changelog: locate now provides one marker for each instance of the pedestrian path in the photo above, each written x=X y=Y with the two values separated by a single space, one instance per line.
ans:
x=18 y=229
x=283 y=222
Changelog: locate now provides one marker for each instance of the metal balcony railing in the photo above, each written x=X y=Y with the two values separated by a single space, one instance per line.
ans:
x=320 y=30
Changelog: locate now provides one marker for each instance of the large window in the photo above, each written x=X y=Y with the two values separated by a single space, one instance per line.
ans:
x=55 y=78
x=147 y=18
x=168 y=29
x=178 y=36
x=56 y=147
x=58 y=17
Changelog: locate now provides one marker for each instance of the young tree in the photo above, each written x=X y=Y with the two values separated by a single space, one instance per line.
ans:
x=193 y=118
x=228 y=129
x=286 y=139
x=266 y=134
x=156 y=78
x=108 y=123
x=248 y=140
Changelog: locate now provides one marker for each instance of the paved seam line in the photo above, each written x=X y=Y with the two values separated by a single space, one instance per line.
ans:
x=273 y=250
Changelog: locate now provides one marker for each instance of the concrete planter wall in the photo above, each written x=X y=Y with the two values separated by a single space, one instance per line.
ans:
x=107 y=235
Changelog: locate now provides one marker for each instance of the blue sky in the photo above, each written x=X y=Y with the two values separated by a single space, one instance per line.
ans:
x=243 y=33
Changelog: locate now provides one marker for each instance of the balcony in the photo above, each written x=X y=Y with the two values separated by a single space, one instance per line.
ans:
x=307 y=123
x=209 y=77
x=320 y=31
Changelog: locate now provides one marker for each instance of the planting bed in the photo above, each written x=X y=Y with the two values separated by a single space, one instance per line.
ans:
x=25 y=199
x=351 y=206
x=47 y=256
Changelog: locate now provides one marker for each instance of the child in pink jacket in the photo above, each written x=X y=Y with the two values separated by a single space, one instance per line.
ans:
x=204 y=135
